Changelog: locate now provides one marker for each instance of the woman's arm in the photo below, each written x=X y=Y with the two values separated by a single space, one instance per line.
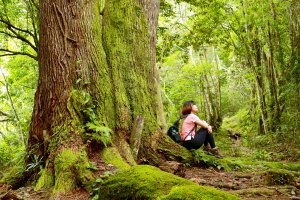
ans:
x=204 y=124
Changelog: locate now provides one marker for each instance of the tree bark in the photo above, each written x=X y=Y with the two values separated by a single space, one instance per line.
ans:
x=96 y=69
x=151 y=10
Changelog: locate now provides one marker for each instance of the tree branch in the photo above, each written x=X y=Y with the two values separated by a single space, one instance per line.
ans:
x=13 y=53
x=183 y=25
x=4 y=114
x=35 y=4
x=31 y=4
x=11 y=26
x=6 y=120
x=20 y=37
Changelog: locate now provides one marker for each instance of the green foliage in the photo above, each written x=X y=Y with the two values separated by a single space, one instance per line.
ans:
x=100 y=133
x=185 y=81
x=94 y=129
x=262 y=154
x=94 y=188
x=18 y=28
x=14 y=174
x=240 y=122
x=19 y=82
x=11 y=151
x=211 y=161
x=249 y=39
x=37 y=162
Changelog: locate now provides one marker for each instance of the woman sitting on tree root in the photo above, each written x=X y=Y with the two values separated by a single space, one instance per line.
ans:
x=193 y=139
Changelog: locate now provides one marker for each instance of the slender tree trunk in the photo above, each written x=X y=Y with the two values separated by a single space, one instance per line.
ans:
x=274 y=46
x=260 y=84
x=294 y=57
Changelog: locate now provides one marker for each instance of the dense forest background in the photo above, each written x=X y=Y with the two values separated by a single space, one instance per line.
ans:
x=239 y=60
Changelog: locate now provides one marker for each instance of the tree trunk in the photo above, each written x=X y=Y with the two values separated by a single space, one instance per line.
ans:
x=97 y=73
x=151 y=9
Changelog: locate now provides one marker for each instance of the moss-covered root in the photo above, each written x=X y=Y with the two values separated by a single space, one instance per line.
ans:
x=193 y=192
x=70 y=168
x=147 y=182
x=112 y=156
x=46 y=180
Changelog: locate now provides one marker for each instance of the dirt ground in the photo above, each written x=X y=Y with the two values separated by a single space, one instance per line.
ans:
x=248 y=186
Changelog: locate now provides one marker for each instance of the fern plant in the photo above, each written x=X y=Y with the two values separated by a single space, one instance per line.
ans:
x=100 y=133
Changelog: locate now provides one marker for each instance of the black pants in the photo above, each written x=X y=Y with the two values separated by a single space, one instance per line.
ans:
x=202 y=137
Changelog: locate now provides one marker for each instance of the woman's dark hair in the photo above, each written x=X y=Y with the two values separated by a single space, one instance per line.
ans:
x=187 y=108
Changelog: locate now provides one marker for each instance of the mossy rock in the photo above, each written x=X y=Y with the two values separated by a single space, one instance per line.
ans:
x=279 y=177
x=148 y=182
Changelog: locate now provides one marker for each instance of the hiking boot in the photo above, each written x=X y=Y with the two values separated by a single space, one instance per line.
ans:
x=206 y=149
x=216 y=152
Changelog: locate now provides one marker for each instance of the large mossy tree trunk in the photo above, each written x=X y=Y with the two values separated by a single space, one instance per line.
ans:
x=96 y=73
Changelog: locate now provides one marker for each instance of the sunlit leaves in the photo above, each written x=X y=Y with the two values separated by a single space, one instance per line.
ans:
x=21 y=80
x=18 y=28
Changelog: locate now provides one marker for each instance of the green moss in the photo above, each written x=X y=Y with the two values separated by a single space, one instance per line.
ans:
x=46 y=180
x=14 y=175
x=61 y=134
x=94 y=72
x=211 y=161
x=80 y=105
x=127 y=45
x=243 y=164
x=173 y=151
x=70 y=168
x=279 y=177
x=112 y=156
x=283 y=165
x=192 y=192
x=84 y=113
x=148 y=182
x=256 y=191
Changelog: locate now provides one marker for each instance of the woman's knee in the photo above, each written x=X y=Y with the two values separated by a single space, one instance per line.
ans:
x=202 y=131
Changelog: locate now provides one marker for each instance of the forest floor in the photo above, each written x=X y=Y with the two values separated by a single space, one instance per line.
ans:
x=248 y=184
